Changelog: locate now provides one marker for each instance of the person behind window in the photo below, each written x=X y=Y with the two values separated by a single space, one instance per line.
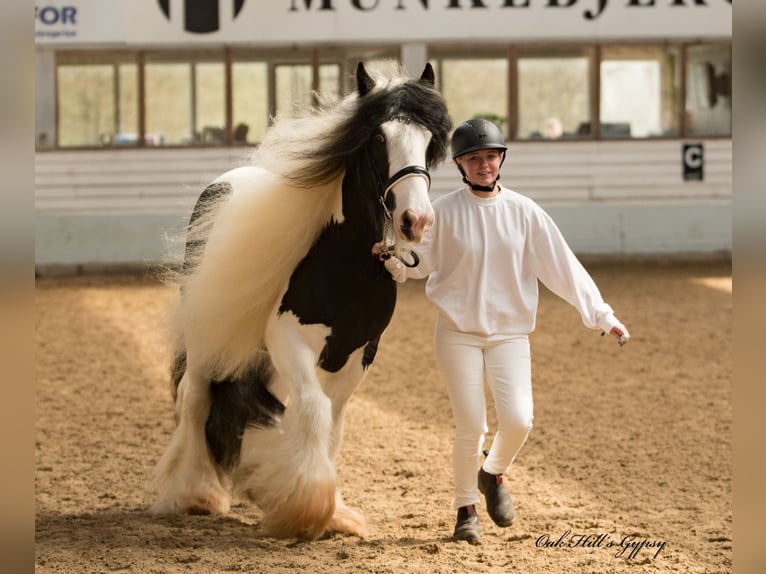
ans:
x=240 y=133
x=484 y=255
x=553 y=129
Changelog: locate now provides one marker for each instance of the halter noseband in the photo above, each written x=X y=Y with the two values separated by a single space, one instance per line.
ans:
x=404 y=173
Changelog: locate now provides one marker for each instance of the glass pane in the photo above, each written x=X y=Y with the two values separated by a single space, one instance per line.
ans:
x=210 y=99
x=250 y=101
x=384 y=66
x=639 y=91
x=476 y=88
x=382 y=60
x=329 y=82
x=708 y=90
x=293 y=89
x=168 y=103
x=86 y=108
x=554 y=96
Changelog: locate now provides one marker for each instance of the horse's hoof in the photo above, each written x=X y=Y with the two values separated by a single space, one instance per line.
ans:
x=305 y=514
x=215 y=501
x=348 y=521
x=205 y=509
x=209 y=503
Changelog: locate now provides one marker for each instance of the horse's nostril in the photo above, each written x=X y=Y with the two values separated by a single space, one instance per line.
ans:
x=408 y=224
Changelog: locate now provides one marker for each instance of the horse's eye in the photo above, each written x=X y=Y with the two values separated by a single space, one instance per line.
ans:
x=380 y=138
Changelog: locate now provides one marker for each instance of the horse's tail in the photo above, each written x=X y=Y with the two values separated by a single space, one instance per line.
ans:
x=236 y=404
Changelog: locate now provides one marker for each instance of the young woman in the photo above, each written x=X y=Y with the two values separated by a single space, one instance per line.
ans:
x=483 y=257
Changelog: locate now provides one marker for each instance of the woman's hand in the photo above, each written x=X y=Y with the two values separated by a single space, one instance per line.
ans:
x=384 y=250
x=396 y=268
x=620 y=332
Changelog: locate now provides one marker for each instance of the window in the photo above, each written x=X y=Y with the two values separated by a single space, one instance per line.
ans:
x=708 y=90
x=329 y=82
x=639 y=91
x=554 y=93
x=532 y=92
x=377 y=60
x=97 y=99
x=267 y=83
x=209 y=94
x=185 y=100
x=292 y=83
x=250 y=101
x=475 y=87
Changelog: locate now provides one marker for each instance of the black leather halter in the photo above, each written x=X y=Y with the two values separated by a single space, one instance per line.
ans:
x=388 y=249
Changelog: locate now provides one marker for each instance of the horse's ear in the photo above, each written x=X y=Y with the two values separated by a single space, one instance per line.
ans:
x=364 y=83
x=428 y=74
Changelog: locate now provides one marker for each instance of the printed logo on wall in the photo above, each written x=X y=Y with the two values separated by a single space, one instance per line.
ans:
x=200 y=16
x=693 y=161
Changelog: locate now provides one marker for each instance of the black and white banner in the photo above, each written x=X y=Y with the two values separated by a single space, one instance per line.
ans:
x=280 y=22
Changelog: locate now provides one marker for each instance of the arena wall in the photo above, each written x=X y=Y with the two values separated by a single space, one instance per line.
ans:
x=117 y=208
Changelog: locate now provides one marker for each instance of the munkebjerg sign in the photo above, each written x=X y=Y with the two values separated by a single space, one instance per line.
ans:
x=287 y=22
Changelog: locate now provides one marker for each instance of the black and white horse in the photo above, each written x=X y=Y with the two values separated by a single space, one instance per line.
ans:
x=282 y=303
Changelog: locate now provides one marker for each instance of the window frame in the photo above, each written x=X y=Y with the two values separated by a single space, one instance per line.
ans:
x=346 y=57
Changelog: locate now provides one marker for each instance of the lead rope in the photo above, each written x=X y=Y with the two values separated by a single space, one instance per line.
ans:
x=386 y=248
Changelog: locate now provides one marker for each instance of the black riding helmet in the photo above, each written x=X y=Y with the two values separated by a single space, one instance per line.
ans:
x=474 y=135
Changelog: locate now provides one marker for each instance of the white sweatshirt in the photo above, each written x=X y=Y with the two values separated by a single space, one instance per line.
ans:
x=483 y=258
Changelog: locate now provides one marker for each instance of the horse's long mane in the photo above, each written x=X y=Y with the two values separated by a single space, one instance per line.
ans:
x=316 y=147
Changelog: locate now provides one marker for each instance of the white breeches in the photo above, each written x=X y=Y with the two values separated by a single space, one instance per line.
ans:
x=466 y=361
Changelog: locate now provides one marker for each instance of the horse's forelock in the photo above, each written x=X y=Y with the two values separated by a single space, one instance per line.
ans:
x=425 y=106
x=413 y=99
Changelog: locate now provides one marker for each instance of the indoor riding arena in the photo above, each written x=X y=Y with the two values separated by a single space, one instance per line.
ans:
x=630 y=451
x=628 y=467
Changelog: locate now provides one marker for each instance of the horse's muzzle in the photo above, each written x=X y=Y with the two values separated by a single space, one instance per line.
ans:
x=414 y=225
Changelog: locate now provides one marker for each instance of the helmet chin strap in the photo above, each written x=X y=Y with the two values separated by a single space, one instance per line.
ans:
x=477 y=187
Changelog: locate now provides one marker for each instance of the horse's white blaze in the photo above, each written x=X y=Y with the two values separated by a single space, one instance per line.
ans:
x=407 y=144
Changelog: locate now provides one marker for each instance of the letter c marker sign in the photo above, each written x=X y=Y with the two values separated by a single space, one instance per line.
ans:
x=693 y=160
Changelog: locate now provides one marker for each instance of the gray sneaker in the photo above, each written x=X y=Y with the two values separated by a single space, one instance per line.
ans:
x=499 y=503
x=467 y=525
